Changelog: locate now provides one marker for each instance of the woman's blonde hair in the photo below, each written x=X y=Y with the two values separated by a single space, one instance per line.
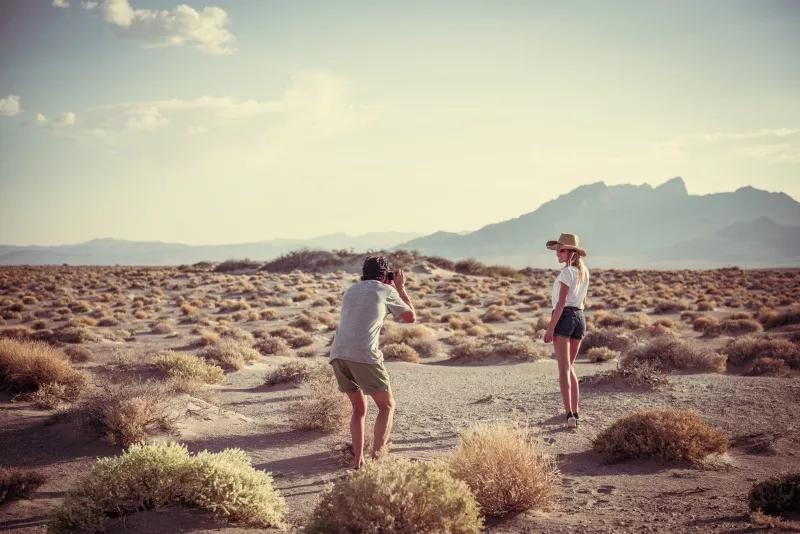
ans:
x=575 y=260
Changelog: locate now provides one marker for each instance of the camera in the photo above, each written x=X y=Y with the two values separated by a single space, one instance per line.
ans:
x=390 y=276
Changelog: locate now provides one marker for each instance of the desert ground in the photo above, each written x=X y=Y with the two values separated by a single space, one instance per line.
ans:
x=475 y=355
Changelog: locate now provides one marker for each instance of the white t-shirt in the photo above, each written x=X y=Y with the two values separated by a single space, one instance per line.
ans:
x=577 y=291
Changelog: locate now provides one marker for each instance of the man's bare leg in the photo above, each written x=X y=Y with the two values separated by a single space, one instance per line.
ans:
x=357 y=421
x=383 y=423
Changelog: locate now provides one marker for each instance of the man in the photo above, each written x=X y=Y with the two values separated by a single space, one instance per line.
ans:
x=356 y=356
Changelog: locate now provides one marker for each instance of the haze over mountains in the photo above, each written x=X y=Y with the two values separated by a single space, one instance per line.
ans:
x=626 y=226
x=641 y=226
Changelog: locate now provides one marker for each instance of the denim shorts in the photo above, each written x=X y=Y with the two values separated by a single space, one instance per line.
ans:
x=571 y=324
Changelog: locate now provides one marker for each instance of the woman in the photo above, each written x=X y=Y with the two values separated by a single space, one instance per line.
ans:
x=567 y=324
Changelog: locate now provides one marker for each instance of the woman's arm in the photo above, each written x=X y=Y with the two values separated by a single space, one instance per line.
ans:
x=562 y=300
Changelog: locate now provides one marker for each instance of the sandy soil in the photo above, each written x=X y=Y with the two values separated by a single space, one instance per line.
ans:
x=436 y=399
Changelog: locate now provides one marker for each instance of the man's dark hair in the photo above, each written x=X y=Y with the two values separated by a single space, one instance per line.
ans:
x=374 y=268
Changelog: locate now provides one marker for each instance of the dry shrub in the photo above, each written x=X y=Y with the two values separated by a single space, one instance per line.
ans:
x=418 y=337
x=669 y=306
x=397 y=496
x=147 y=477
x=777 y=496
x=17 y=332
x=767 y=366
x=667 y=435
x=188 y=366
x=601 y=354
x=612 y=338
x=705 y=323
x=272 y=345
x=606 y=319
x=506 y=469
x=746 y=350
x=164 y=326
x=208 y=337
x=18 y=483
x=736 y=327
x=74 y=334
x=127 y=413
x=475 y=350
x=26 y=366
x=324 y=407
x=771 y=318
x=230 y=354
x=671 y=353
x=78 y=354
x=294 y=336
x=499 y=314
x=400 y=351
x=643 y=376
x=291 y=372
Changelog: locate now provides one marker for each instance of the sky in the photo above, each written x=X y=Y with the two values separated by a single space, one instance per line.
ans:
x=212 y=122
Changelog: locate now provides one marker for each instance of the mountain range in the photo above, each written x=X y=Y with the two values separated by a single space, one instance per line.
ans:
x=626 y=226
x=640 y=226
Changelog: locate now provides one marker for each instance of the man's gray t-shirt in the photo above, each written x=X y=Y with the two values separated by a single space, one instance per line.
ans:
x=364 y=307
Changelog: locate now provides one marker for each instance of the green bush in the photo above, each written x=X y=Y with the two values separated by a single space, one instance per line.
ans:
x=397 y=496
x=147 y=477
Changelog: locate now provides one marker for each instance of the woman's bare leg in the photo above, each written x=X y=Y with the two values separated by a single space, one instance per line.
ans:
x=575 y=394
x=357 y=422
x=561 y=345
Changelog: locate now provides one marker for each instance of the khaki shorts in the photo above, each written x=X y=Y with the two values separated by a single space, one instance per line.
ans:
x=368 y=377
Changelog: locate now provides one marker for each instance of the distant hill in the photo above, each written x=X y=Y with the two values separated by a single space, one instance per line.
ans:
x=640 y=226
x=116 y=251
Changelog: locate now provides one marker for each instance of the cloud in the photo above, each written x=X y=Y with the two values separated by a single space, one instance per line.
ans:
x=145 y=119
x=314 y=105
x=61 y=3
x=183 y=25
x=770 y=145
x=9 y=106
x=41 y=118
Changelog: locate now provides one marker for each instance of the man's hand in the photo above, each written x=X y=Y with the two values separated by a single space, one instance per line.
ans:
x=399 y=278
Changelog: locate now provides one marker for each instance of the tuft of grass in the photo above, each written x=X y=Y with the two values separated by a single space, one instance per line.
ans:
x=475 y=350
x=188 y=366
x=642 y=376
x=272 y=345
x=601 y=354
x=507 y=470
x=27 y=366
x=323 y=408
x=669 y=353
x=127 y=413
x=291 y=372
x=777 y=496
x=230 y=353
x=767 y=366
x=18 y=483
x=772 y=318
x=148 y=477
x=400 y=351
x=612 y=338
x=744 y=351
x=398 y=496
x=666 y=435
x=163 y=326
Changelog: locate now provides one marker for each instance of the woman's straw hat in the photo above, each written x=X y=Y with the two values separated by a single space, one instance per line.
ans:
x=569 y=241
